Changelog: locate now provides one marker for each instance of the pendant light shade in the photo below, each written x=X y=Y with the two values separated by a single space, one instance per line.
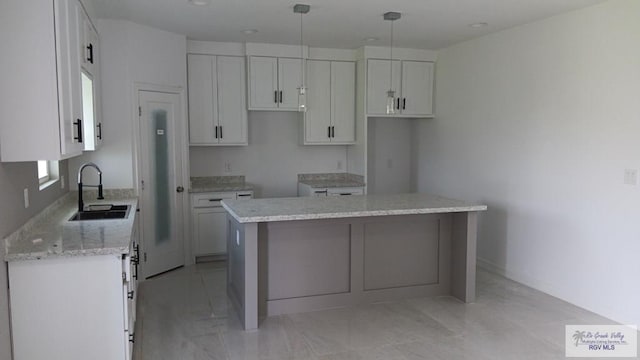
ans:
x=391 y=95
x=302 y=90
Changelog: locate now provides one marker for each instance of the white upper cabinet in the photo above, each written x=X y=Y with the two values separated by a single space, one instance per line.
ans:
x=417 y=88
x=89 y=45
x=217 y=100
x=91 y=104
x=40 y=93
x=263 y=83
x=331 y=91
x=412 y=83
x=274 y=83
x=343 y=102
x=289 y=81
x=232 y=102
x=317 y=119
x=378 y=80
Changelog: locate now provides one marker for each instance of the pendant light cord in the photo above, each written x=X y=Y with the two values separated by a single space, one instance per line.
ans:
x=301 y=53
x=391 y=60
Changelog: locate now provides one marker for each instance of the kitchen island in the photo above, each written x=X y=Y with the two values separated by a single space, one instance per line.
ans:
x=301 y=254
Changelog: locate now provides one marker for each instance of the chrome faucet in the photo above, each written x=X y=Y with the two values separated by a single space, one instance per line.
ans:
x=80 y=186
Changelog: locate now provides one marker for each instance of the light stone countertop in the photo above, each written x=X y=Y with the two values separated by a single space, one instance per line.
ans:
x=50 y=234
x=219 y=184
x=331 y=207
x=331 y=180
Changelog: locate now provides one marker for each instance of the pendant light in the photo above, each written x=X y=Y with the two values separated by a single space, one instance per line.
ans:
x=391 y=95
x=302 y=90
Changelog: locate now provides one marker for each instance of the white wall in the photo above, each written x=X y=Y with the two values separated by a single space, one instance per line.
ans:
x=539 y=122
x=390 y=155
x=273 y=159
x=129 y=53
x=14 y=178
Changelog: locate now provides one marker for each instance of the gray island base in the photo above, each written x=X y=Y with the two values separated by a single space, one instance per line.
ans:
x=288 y=255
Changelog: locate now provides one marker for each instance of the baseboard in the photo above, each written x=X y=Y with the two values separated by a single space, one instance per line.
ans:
x=491 y=267
x=539 y=285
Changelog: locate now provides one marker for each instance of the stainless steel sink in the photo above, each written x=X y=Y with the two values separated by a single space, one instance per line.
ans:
x=102 y=212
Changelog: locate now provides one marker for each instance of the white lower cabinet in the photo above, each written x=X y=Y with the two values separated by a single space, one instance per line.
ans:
x=307 y=190
x=73 y=307
x=209 y=221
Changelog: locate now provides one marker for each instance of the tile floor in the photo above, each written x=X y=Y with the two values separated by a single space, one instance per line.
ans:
x=185 y=315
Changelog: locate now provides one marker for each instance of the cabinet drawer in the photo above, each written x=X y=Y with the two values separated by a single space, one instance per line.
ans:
x=210 y=199
x=245 y=195
x=345 y=191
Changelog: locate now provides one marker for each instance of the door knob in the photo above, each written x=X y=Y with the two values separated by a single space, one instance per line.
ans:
x=179 y=189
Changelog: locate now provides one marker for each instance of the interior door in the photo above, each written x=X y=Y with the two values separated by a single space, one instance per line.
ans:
x=161 y=176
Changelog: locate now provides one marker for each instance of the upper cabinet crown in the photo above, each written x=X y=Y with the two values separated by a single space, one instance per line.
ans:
x=331 y=93
x=41 y=100
x=217 y=100
x=274 y=83
x=412 y=83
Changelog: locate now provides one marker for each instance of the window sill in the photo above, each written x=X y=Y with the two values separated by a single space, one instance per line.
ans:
x=47 y=183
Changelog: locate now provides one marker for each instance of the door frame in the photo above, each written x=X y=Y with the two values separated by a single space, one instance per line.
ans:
x=183 y=133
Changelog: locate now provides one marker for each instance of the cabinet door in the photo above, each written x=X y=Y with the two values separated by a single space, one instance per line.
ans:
x=232 y=104
x=88 y=55
x=69 y=81
x=289 y=81
x=88 y=45
x=317 y=119
x=343 y=101
x=202 y=99
x=417 y=88
x=210 y=231
x=91 y=126
x=378 y=78
x=263 y=83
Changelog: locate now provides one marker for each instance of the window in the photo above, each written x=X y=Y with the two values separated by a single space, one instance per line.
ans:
x=48 y=173
x=43 y=171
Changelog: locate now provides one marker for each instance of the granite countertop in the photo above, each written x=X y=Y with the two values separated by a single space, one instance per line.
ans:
x=219 y=184
x=331 y=207
x=49 y=234
x=331 y=180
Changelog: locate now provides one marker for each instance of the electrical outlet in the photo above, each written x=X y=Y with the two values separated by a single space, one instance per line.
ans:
x=227 y=167
x=389 y=163
x=26 y=198
x=62 y=182
x=630 y=176
x=339 y=166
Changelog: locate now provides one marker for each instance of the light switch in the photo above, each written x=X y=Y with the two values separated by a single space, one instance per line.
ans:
x=631 y=177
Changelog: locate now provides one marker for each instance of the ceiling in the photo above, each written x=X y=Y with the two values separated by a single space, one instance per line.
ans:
x=425 y=24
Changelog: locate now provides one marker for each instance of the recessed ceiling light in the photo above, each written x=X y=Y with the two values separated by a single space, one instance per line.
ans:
x=249 y=31
x=479 y=25
x=198 y=2
x=370 y=39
